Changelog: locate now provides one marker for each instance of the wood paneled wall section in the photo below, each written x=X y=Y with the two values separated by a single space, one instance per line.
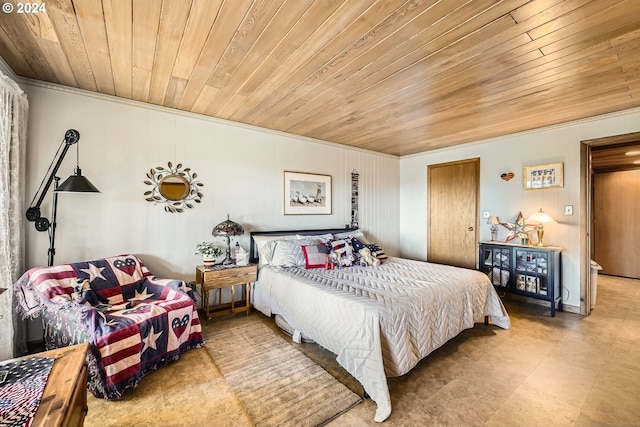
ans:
x=616 y=226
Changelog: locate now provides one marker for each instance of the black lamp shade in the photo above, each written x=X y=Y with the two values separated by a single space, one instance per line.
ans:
x=76 y=183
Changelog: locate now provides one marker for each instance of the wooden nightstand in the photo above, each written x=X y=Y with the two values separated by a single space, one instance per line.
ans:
x=218 y=278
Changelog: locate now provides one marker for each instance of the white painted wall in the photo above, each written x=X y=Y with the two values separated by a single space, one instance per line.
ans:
x=505 y=199
x=241 y=168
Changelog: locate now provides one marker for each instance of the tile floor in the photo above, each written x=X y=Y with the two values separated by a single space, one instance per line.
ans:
x=564 y=371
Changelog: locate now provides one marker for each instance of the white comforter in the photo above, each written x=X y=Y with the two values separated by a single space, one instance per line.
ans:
x=380 y=321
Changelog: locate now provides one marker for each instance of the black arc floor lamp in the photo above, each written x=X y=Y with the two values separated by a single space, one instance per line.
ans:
x=76 y=183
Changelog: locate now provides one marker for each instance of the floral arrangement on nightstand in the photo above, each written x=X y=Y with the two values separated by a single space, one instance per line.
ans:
x=209 y=252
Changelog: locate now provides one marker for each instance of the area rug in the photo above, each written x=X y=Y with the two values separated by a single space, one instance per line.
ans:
x=274 y=381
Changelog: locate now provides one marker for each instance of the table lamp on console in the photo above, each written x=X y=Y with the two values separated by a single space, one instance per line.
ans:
x=539 y=219
x=494 y=221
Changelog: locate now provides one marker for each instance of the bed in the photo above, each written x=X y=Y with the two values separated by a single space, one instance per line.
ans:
x=380 y=321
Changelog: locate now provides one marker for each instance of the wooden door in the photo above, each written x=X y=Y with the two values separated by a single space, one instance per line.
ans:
x=453 y=212
x=615 y=222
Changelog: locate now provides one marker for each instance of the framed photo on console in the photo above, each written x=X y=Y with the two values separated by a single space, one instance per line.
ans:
x=543 y=176
x=307 y=194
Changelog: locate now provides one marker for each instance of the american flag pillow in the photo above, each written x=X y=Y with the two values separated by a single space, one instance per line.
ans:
x=376 y=251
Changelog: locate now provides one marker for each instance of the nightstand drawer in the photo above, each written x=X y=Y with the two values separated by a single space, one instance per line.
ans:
x=229 y=277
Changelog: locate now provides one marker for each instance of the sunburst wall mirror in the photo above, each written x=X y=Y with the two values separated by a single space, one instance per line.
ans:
x=174 y=187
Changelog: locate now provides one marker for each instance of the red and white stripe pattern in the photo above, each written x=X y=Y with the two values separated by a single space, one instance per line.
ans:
x=161 y=323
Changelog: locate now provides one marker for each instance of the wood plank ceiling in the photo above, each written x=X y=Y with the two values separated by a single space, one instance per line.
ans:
x=616 y=158
x=397 y=76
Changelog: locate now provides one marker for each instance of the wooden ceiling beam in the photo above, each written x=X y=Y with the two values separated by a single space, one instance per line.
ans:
x=118 y=19
x=63 y=18
x=173 y=20
x=348 y=91
x=13 y=56
x=146 y=23
x=232 y=95
x=230 y=15
x=93 y=34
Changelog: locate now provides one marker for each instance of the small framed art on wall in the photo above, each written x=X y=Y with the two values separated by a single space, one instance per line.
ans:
x=307 y=194
x=543 y=176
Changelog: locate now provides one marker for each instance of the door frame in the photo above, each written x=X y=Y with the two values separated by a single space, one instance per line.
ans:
x=476 y=224
x=586 y=205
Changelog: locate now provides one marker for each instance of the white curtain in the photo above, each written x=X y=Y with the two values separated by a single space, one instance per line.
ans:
x=13 y=139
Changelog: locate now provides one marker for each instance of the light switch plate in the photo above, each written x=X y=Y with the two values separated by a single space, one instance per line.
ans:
x=568 y=210
x=485 y=214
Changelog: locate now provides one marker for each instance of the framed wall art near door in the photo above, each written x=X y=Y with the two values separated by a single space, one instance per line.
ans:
x=307 y=194
x=543 y=176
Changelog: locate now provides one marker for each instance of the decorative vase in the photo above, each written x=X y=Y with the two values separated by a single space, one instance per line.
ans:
x=208 y=260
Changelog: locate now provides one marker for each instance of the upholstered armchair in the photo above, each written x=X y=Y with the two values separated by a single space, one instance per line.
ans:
x=134 y=322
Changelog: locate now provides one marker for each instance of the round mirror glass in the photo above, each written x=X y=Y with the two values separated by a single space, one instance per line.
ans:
x=173 y=187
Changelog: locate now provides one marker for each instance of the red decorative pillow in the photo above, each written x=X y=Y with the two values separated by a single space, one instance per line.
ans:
x=315 y=256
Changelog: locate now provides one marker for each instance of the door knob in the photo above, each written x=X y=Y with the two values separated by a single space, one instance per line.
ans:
x=469 y=228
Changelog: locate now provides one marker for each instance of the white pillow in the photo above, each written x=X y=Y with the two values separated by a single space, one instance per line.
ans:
x=358 y=234
x=288 y=253
x=265 y=253
x=323 y=237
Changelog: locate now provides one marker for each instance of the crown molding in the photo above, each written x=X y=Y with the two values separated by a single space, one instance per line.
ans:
x=139 y=104
x=7 y=71
x=529 y=132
